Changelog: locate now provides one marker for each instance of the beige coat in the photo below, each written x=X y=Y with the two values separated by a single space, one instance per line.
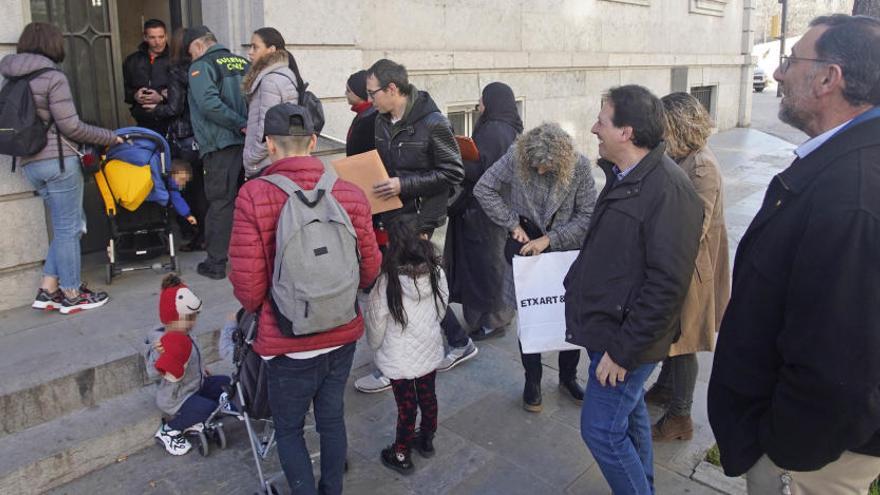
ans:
x=709 y=289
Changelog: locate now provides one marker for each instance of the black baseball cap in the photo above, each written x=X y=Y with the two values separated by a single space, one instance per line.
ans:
x=191 y=34
x=287 y=119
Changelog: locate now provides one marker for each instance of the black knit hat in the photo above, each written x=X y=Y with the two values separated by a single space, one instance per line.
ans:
x=357 y=83
x=193 y=33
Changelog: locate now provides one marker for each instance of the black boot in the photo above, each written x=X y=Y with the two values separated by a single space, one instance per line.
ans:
x=424 y=444
x=532 y=397
x=398 y=459
x=573 y=389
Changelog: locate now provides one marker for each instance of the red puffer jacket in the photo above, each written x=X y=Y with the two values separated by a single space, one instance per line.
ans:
x=252 y=252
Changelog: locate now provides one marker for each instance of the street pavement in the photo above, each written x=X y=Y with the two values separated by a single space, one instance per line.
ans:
x=765 y=110
x=486 y=443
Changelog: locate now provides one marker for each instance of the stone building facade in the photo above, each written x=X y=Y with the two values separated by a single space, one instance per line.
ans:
x=557 y=55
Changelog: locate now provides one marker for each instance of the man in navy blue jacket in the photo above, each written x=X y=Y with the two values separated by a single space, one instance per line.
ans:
x=794 y=397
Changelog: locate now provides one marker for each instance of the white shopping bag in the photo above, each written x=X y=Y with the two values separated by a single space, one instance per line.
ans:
x=540 y=300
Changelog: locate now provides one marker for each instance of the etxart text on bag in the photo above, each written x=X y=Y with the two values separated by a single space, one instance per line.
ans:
x=538 y=301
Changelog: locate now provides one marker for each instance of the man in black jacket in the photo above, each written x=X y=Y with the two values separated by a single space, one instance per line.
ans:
x=145 y=77
x=416 y=144
x=623 y=294
x=794 y=397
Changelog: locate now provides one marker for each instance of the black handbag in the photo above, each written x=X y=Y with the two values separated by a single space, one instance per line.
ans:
x=512 y=246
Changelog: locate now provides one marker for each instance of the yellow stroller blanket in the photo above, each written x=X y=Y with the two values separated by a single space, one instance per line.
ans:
x=129 y=184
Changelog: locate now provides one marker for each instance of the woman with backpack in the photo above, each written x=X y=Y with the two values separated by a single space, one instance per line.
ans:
x=54 y=171
x=272 y=79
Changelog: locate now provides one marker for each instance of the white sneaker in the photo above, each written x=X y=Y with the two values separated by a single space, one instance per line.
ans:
x=458 y=355
x=175 y=443
x=373 y=383
x=226 y=404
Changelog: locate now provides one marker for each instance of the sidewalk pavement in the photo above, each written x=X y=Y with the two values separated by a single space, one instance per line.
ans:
x=486 y=443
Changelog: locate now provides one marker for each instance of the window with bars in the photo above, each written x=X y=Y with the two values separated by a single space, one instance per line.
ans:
x=464 y=116
x=706 y=96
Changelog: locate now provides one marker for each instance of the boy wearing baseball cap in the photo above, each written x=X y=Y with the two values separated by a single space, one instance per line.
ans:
x=186 y=394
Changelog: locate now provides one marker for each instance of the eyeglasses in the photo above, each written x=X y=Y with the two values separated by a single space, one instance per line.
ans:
x=786 y=61
x=372 y=94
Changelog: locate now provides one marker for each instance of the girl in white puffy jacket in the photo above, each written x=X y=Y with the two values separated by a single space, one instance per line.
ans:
x=402 y=315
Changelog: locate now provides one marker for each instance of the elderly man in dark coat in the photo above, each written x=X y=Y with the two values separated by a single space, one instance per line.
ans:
x=794 y=397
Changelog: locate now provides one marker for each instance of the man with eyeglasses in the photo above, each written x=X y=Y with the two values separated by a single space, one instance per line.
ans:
x=417 y=146
x=794 y=397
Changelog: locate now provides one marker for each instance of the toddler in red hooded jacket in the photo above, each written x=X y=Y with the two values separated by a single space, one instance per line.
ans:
x=186 y=393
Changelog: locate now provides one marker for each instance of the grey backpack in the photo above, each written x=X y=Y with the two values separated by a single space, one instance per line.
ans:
x=317 y=267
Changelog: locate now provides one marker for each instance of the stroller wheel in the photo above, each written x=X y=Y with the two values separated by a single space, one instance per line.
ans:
x=108 y=274
x=220 y=436
x=204 y=446
x=271 y=490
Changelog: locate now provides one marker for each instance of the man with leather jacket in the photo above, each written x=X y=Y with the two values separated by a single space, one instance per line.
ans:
x=145 y=76
x=416 y=144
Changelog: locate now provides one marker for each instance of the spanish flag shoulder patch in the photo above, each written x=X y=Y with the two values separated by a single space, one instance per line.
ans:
x=194 y=73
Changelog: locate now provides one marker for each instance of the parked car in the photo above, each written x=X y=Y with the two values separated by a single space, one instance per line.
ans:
x=759 y=80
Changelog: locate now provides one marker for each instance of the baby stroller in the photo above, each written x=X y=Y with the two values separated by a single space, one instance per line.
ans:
x=132 y=181
x=249 y=385
x=251 y=398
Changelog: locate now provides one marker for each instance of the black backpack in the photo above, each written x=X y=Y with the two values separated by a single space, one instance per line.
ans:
x=308 y=100
x=22 y=133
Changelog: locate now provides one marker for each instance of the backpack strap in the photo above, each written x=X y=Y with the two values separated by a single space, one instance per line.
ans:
x=308 y=198
x=51 y=122
x=30 y=75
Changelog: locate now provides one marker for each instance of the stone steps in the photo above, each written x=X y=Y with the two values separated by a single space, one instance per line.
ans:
x=74 y=397
x=87 y=387
x=55 y=452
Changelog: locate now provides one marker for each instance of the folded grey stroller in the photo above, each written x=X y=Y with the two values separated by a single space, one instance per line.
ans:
x=250 y=388
x=251 y=399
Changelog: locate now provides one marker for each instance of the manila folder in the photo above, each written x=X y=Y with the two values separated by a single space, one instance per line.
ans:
x=364 y=170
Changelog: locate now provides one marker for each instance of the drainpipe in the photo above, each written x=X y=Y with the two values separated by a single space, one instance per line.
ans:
x=782 y=41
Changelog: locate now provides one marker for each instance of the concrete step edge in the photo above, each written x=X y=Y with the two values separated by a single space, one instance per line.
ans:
x=59 y=451
x=47 y=401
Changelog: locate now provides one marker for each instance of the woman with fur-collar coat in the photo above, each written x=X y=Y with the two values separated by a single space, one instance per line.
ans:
x=269 y=82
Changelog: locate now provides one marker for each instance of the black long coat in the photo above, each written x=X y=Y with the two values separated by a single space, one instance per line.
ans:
x=797 y=367
x=474 y=244
x=362 y=133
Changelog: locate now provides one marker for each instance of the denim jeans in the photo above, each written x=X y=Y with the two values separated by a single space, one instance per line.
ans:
x=294 y=385
x=201 y=404
x=456 y=335
x=617 y=429
x=62 y=193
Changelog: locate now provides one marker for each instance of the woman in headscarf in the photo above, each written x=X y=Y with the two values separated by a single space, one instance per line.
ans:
x=543 y=186
x=474 y=244
x=688 y=127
